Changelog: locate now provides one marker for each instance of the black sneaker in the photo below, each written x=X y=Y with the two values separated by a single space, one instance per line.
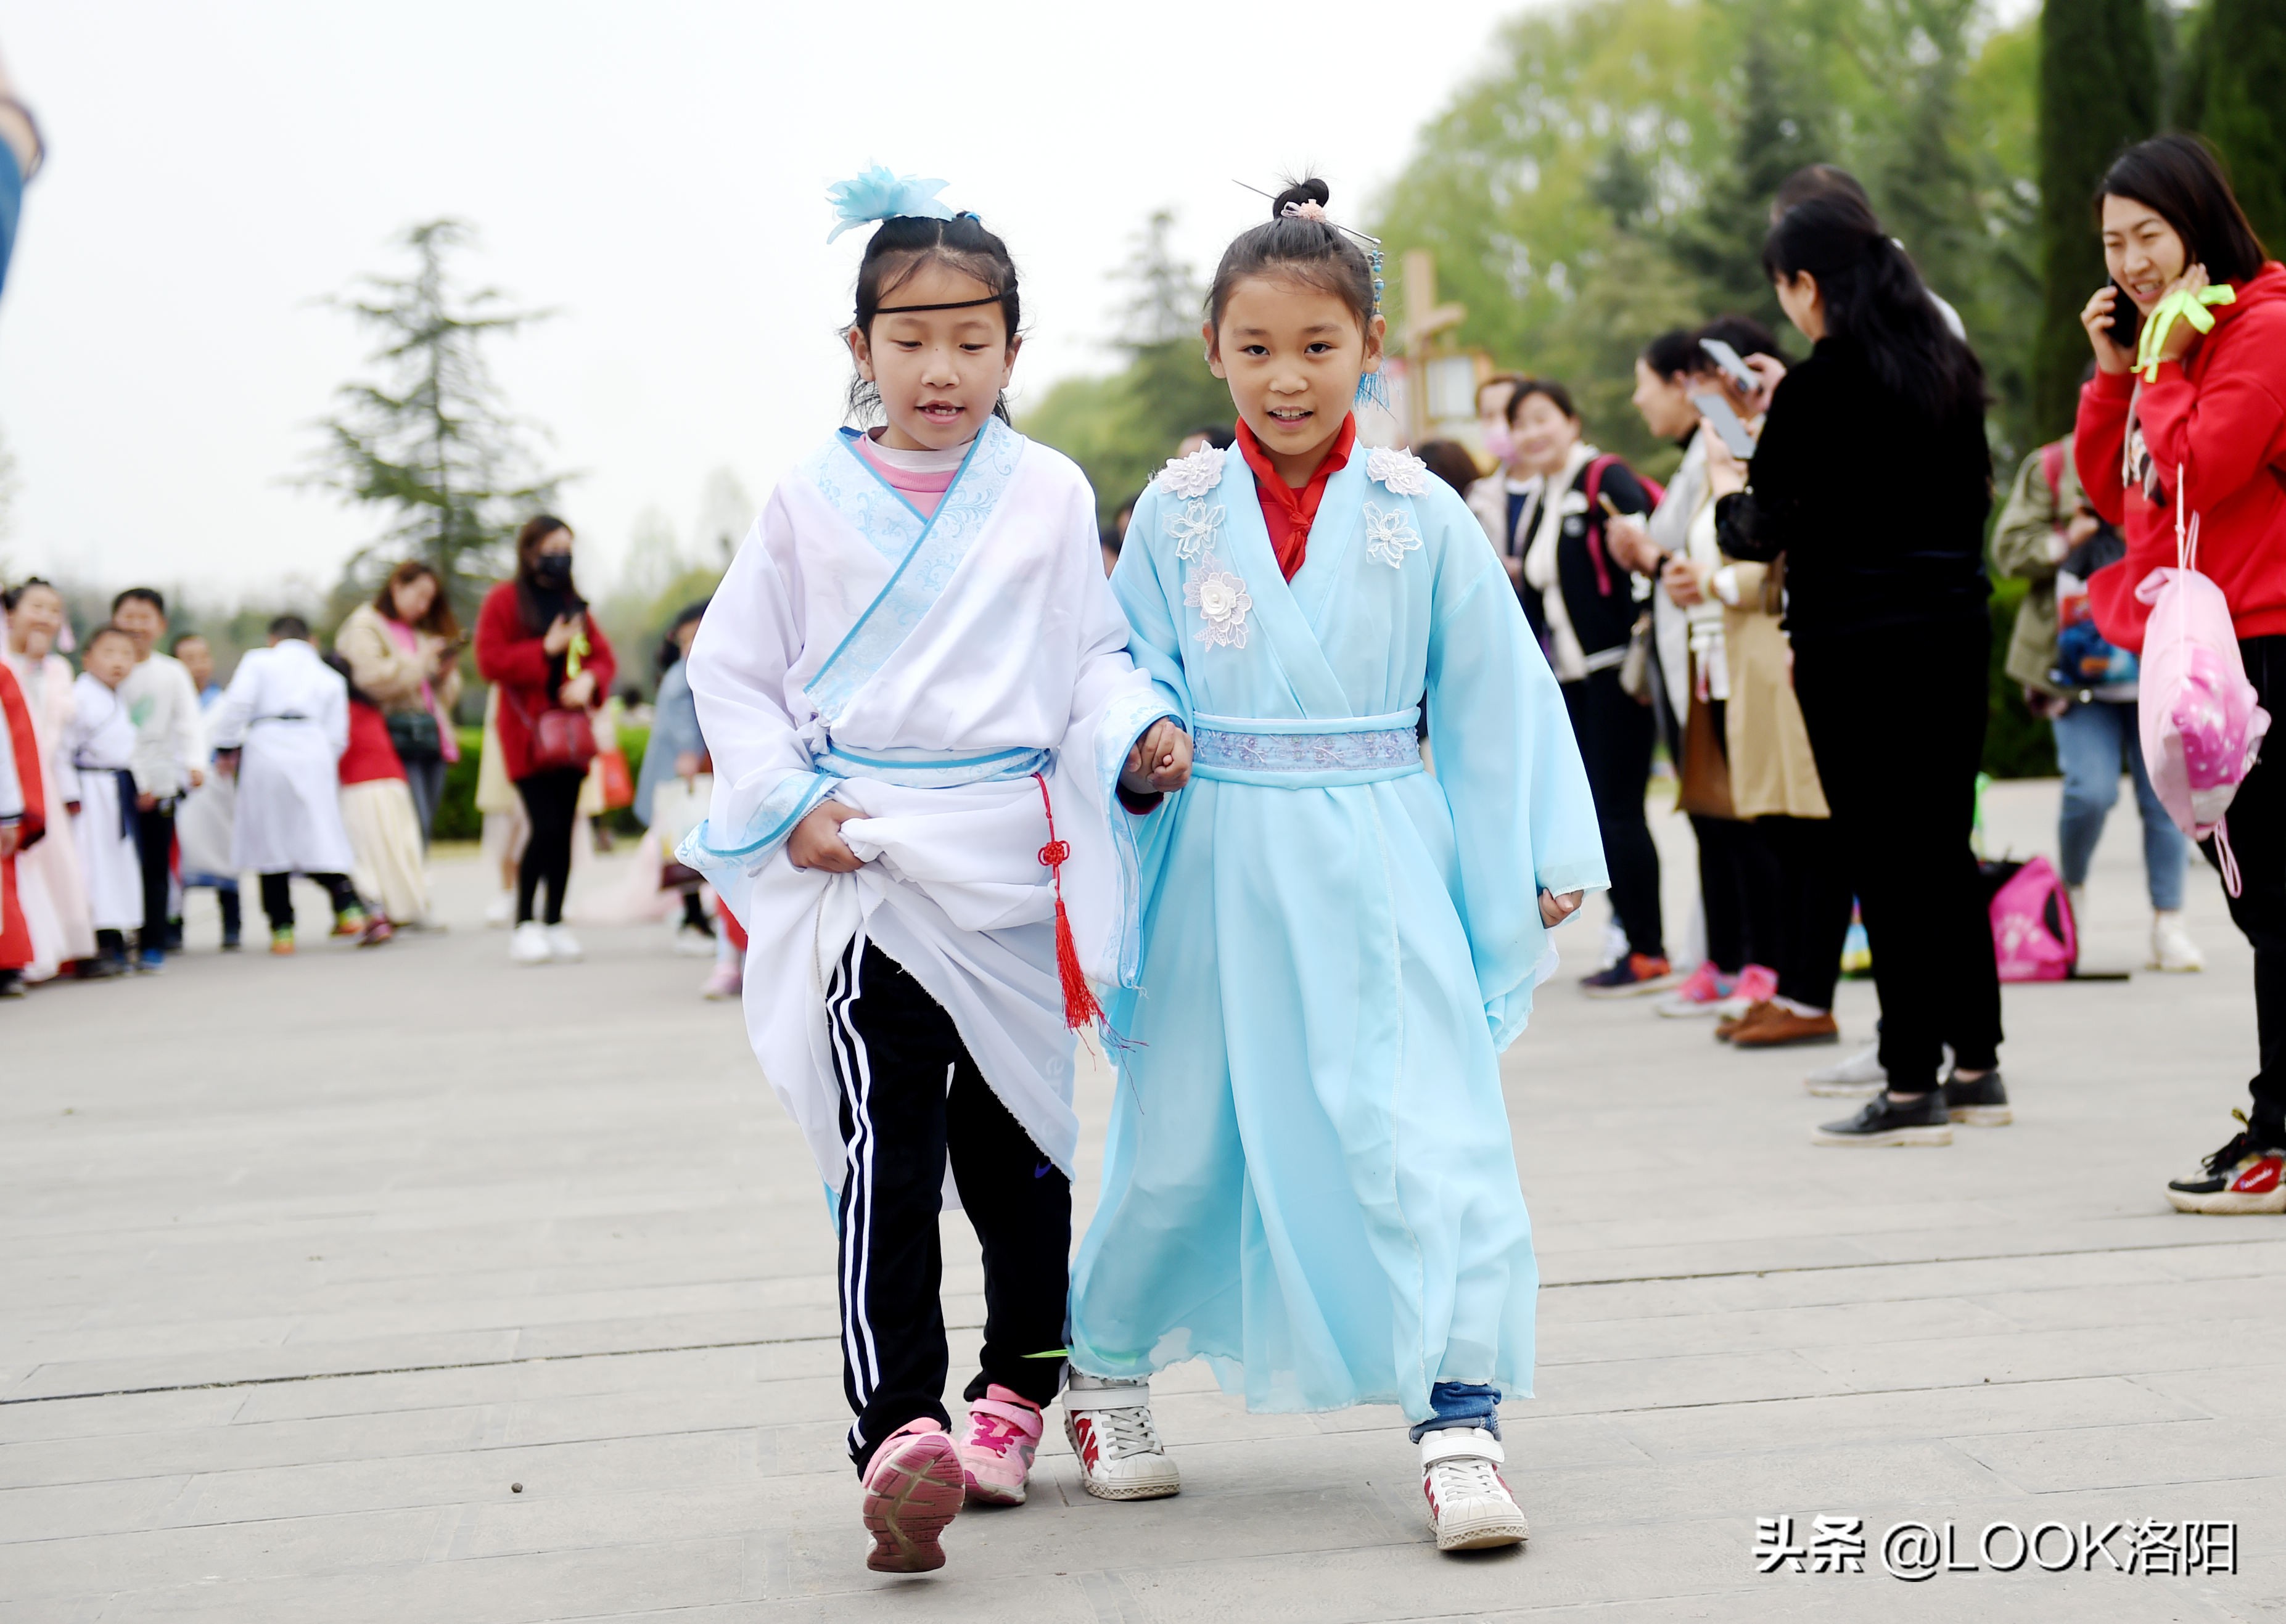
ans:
x=1887 y=1120
x=1981 y=1104
x=2241 y=1177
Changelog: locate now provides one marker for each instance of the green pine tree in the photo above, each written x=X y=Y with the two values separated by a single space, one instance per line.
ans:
x=2243 y=112
x=2099 y=92
x=432 y=445
x=1928 y=191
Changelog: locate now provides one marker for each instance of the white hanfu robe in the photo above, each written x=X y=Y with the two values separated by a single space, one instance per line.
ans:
x=922 y=671
x=98 y=746
x=1309 y=1177
x=288 y=713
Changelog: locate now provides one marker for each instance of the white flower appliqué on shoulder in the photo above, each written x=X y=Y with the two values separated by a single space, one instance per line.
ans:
x=1401 y=470
x=1192 y=476
x=1193 y=531
x=1389 y=535
x=1223 y=602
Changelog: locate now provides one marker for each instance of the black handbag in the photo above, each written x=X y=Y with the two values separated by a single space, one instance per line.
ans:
x=415 y=734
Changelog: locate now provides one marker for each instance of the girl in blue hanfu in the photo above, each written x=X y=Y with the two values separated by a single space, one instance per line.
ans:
x=1309 y=1180
x=916 y=687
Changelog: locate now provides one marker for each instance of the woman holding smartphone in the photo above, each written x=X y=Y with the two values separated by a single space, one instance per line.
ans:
x=2204 y=418
x=1886 y=596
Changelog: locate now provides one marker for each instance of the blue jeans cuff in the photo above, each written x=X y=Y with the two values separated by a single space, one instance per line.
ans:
x=1459 y=1404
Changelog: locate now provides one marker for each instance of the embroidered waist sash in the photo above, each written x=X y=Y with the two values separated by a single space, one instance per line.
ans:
x=931 y=770
x=1306 y=753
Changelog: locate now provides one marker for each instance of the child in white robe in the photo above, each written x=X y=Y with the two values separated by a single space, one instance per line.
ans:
x=1309 y=1179
x=915 y=686
x=285 y=717
x=99 y=753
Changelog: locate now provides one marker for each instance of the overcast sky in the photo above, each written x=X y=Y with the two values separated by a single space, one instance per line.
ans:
x=654 y=173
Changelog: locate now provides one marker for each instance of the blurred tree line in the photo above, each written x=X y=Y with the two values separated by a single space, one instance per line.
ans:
x=1609 y=176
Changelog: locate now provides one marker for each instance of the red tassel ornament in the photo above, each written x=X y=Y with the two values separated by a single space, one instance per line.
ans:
x=1080 y=1009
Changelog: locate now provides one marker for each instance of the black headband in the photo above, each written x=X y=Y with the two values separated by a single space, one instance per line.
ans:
x=906 y=310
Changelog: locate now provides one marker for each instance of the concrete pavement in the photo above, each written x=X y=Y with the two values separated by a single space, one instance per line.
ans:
x=404 y=1285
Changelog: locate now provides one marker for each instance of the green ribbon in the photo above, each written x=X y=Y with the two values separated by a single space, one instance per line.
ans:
x=2180 y=305
x=579 y=648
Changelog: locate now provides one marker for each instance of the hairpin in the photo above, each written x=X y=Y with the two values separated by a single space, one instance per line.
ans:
x=1373 y=388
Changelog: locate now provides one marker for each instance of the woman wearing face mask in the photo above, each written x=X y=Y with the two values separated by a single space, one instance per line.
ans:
x=2205 y=418
x=551 y=662
x=1495 y=498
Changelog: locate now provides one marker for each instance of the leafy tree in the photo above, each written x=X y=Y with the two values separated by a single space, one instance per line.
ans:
x=2099 y=90
x=431 y=444
x=1119 y=428
x=2243 y=111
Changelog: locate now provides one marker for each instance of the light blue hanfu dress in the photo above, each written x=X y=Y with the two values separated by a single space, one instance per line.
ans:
x=1309 y=1180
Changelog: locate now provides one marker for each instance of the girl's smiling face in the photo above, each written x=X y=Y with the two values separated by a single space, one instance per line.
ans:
x=2142 y=252
x=1292 y=354
x=939 y=372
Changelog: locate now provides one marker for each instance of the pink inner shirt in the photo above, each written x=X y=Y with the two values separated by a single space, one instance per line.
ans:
x=921 y=477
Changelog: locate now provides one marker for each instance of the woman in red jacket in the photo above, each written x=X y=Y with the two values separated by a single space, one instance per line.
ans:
x=535 y=638
x=2210 y=417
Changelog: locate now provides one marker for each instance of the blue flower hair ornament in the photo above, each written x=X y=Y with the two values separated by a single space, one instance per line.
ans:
x=877 y=195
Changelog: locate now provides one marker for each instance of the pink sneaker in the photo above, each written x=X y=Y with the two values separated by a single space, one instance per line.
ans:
x=912 y=1490
x=1698 y=996
x=996 y=1457
x=727 y=980
x=1756 y=984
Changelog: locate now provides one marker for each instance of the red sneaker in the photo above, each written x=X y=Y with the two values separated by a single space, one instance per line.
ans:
x=2241 y=1177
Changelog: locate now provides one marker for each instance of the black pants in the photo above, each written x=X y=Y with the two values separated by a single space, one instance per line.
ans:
x=1813 y=898
x=1739 y=888
x=1896 y=721
x=2256 y=829
x=425 y=776
x=154 y=847
x=911 y=1098
x=1615 y=736
x=551 y=800
x=277 y=897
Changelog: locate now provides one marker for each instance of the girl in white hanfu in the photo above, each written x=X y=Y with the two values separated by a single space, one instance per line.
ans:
x=915 y=689
x=95 y=762
x=1309 y=1180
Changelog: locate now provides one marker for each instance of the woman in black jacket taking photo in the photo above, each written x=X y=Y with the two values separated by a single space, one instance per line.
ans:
x=1872 y=479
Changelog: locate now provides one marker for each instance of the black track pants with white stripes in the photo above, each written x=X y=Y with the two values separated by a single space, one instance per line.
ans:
x=910 y=1097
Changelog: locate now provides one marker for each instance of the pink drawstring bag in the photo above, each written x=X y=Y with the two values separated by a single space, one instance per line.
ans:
x=2034 y=937
x=2202 y=725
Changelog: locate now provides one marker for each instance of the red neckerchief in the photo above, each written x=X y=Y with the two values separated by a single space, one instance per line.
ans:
x=1288 y=512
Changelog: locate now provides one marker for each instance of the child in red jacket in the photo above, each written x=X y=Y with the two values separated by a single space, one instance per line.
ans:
x=2195 y=406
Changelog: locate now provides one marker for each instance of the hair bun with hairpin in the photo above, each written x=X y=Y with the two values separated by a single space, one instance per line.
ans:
x=1305 y=199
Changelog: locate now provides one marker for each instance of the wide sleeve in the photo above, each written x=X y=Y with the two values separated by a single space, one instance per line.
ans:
x=764 y=779
x=1140 y=584
x=235 y=709
x=2022 y=540
x=2099 y=435
x=1523 y=820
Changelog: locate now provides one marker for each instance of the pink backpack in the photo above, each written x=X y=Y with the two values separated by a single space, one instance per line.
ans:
x=2202 y=725
x=2034 y=936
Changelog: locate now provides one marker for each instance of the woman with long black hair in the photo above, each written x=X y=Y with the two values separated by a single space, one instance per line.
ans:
x=552 y=662
x=1872 y=479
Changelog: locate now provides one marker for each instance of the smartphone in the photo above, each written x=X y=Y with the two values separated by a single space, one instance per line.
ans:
x=1726 y=425
x=1734 y=368
x=2127 y=320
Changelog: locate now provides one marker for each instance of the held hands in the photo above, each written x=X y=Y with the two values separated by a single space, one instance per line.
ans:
x=1161 y=760
x=816 y=841
x=1555 y=909
x=560 y=633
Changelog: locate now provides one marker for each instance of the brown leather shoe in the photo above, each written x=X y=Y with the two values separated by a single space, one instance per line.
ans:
x=1730 y=1026
x=1782 y=1027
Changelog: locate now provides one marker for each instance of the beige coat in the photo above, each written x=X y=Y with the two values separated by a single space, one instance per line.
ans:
x=1772 y=772
x=386 y=670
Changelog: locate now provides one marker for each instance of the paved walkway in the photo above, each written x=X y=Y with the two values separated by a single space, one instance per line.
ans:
x=403 y=1286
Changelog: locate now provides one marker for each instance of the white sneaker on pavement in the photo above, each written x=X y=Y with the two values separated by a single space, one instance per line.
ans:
x=2171 y=947
x=1470 y=1507
x=1858 y=1078
x=1108 y=1422
x=563 y=946
x=529 y=944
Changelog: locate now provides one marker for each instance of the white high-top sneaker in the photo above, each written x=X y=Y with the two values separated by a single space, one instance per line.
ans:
x=1470 y=1507
x=2171 y=947
x=1120 y=1455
